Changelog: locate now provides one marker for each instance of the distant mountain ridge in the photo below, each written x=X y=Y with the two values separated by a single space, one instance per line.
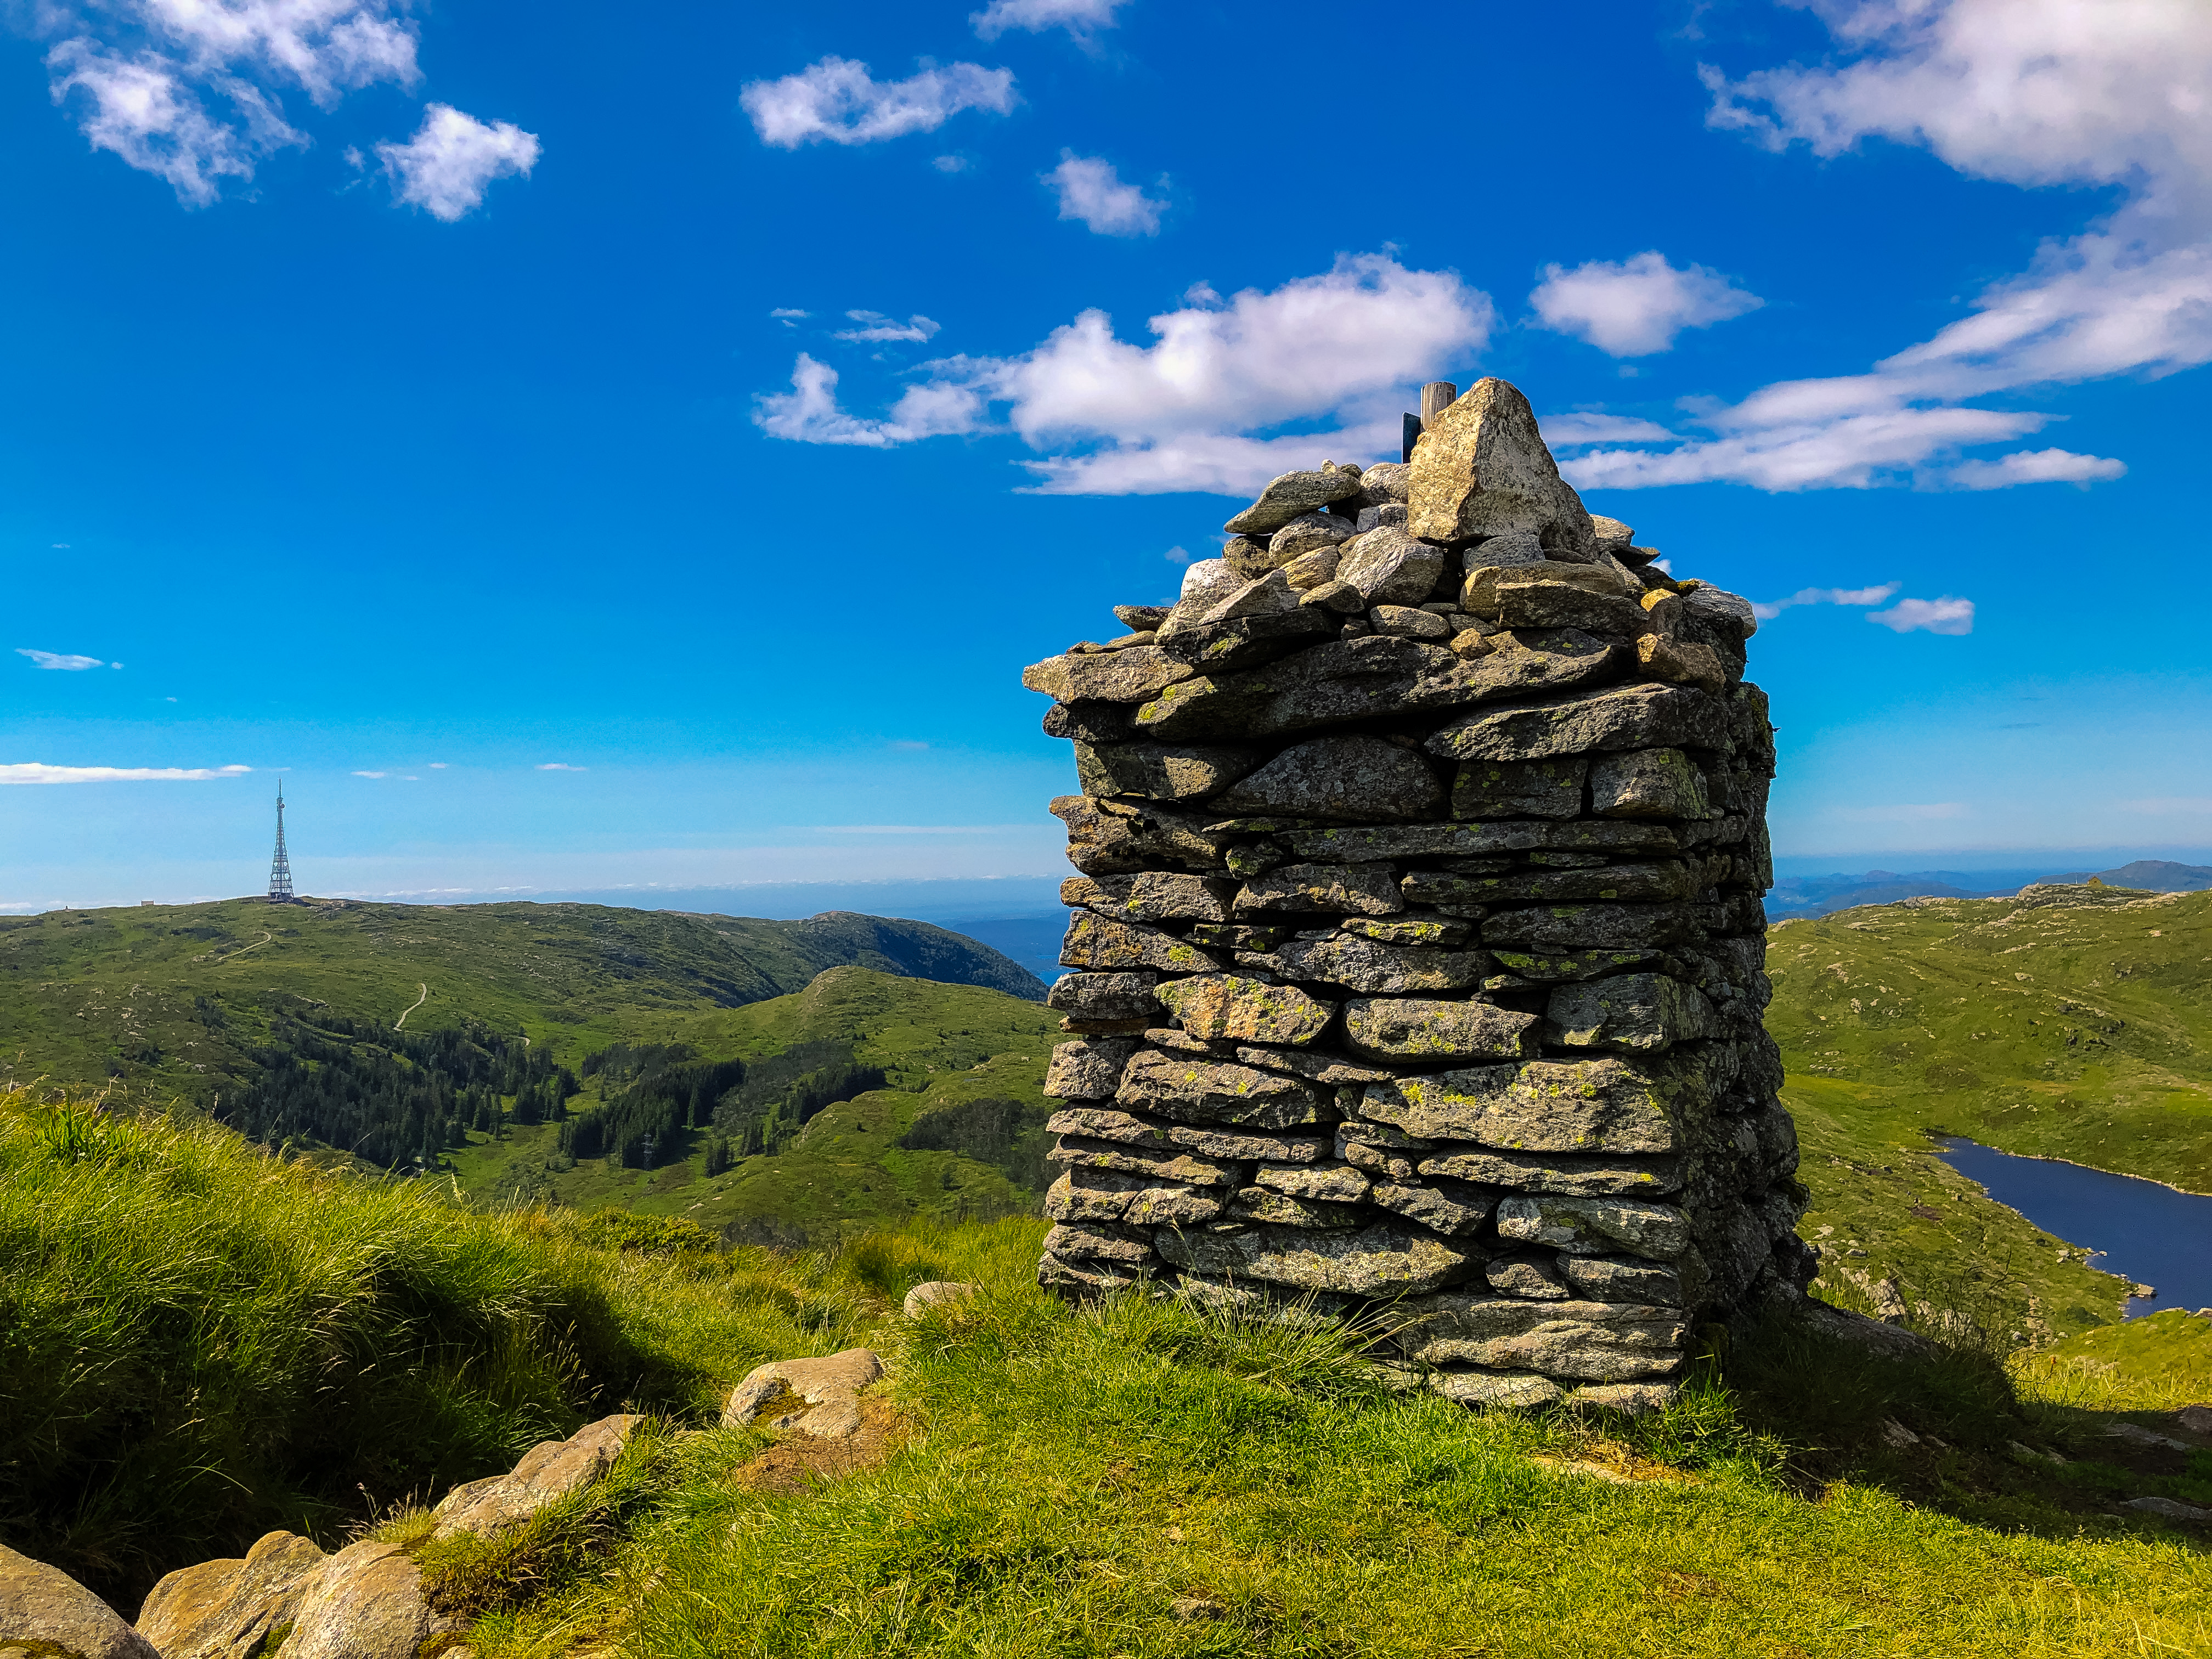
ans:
x=1821 y=896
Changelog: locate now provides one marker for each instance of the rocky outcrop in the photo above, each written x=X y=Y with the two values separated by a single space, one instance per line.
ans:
x=552 y=1469
x=1419 y=944
x=47 y=1614
x=365 y=1602
x=230 y=1609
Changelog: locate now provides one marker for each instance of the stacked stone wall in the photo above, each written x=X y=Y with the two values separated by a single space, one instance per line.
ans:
x=1419 y=946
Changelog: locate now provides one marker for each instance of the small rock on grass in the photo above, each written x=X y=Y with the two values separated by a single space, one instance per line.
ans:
x=830 y=1385
x=2170 y=1508
x=937 y=1292
x=1194 y=1609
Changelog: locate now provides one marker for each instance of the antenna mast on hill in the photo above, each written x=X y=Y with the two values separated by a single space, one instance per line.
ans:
x=280 y=867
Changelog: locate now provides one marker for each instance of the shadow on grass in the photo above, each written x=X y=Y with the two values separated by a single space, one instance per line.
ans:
x=1948 y=1428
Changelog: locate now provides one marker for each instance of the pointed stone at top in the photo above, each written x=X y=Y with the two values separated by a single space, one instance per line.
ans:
x=1481 y=469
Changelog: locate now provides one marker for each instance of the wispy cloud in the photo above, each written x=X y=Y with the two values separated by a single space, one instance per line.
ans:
x=190 y=92
x=34 y=772
x=1091 y=190
x=1110 y=417
x=63 y=660
x=1080 y=18
x=560 y=766
x=2033 y=466
x=1774 y=608
x=875 y=326
x=1637 y=306
x=837 y=101
x=790 y=316
x=372 y=774
x=952 y=163
x=1943 y=616
x=453 y=158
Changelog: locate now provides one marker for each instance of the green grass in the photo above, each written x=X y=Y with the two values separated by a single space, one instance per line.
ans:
x=163 y=1002
x=199 y=1341
x=2081 y=1032
x=1073 y=1474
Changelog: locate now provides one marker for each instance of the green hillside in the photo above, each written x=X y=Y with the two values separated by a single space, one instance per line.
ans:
x=2079 y=1028
x=164 y=1001
x=956 y=1132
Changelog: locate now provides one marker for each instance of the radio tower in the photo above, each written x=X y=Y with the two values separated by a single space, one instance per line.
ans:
x=280 y=867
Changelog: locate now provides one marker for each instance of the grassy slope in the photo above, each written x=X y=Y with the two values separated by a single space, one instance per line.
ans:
x=1897 y=1022
x=88 y=996
x=940 y=1044
x=1073 y=1474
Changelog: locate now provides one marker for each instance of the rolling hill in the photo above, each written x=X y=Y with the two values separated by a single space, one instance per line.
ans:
x=2068 y=1022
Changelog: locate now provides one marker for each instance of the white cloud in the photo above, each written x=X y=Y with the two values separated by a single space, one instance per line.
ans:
x=372 y=774
x=875 y=326
x=2033 y=466
x=561 y=766
x=445 y=168
x=34 y=772
x=1090 y=189
x=1637 y=306
x=1336 y=350
x=1943 y=616
x=2032 y=92
x=1901 y=814
x=1562 y=430
x=790 y=316
x=951 y=164
x=1078 y=17
x=837 y=100
x=437 y=766
x=60 y=659
x=142 y=75
x=1178 y=555
x=1827 y=596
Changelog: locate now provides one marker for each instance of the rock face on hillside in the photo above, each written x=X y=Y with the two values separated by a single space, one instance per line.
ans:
x=1419 y=937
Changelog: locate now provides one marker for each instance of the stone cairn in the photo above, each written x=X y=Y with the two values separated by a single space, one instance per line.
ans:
x=1418 y=937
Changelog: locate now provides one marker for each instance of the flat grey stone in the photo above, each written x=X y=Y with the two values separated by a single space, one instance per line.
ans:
x=1312 y=570
x=1170 y=1165
x=1481 y=468
x=1388 y=1259
x=1634 y=1013
x=1470 y=1386
x=1589 y=1106
x=1648 y=783
x=1131 y=676
x=1375 y=968
x=1161 y=771
x=1557 y=965
x=1595 y=1226
x=550 y=1470
x=1186 y=1089
x=1269 y=596
x=1450 y=1208
x=1088 y=1068
x=1245 y=640
x=1618 y=883
x=1112 y=837
x=1718 y=604
x=1095 y=943
x=1331 y=1181
x=1439 y=841
x=1366 y=890
x=1389 y=566
x=1520 y=789
x=1391 y=514
x=1151 y=895
x=1289 y=495
x=1132 y=1200
x=1141 y=618
x=1611 y=534
x=1627 y=717
x=1101 y=997
x=1265 y=1204
x=1108 y=1123
x=1604 y=1342
x=1533 y=1277
x=1385 y=481
x=1574 y=927
x=1622 y=1278
x=1098 y=1240
x=1407 y=623
x=1434 y=931
x=1422 y=1029
x=1533 y=602
x=1306 y=533
x=1248 y=556
x=1541 y=1172
x=1360 y=777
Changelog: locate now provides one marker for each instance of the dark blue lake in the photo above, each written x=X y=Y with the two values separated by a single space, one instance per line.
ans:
x=2143 y=1231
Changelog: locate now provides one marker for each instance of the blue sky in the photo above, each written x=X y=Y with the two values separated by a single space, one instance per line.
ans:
x=638 y=454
